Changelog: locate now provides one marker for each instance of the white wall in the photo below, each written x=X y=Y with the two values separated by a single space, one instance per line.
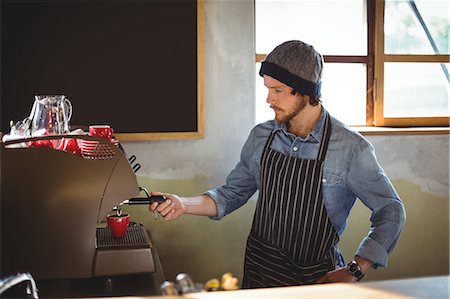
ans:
x=420 y=159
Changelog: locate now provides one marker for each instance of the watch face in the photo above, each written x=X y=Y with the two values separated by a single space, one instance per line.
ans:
x=353 y=267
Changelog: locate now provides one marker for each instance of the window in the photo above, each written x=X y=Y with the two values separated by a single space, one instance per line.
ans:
x=386 y=62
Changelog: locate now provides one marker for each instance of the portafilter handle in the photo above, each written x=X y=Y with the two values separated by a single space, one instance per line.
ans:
x=145 y=200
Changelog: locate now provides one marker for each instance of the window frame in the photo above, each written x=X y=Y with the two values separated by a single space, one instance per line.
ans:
x=380 y=59
x=374 y=61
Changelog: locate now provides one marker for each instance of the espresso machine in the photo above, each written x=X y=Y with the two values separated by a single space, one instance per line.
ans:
x=53 y=207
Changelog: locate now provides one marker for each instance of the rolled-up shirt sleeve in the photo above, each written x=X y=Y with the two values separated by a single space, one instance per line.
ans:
x=240 y=183
x=370 y=184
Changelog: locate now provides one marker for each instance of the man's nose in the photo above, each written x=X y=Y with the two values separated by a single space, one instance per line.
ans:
x=269 y=99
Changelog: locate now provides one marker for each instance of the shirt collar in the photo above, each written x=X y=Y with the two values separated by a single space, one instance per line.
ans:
x=315 y=135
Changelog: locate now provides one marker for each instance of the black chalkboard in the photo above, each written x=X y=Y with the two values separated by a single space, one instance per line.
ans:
x=131 y=64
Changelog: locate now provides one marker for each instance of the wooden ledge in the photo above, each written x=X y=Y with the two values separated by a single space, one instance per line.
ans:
x=367 y=131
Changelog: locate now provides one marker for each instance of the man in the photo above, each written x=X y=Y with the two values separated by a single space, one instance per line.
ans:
x=309 y=169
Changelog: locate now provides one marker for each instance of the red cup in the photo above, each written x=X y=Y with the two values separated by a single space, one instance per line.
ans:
x=103 y=131
x=41 y=143
x=70 y=145
x=118 y=224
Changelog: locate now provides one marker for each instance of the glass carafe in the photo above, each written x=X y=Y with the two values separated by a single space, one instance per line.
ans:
x=50 y=115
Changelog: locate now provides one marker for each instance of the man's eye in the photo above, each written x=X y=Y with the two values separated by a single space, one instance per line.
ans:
x=278 y=90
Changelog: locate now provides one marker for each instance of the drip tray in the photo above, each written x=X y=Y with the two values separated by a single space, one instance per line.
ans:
x=136 y=237
x=131 y=254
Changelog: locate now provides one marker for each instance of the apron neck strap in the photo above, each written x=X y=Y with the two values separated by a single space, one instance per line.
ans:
x=325 y=138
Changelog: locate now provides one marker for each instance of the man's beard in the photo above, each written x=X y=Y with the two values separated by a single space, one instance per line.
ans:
x=286 y=118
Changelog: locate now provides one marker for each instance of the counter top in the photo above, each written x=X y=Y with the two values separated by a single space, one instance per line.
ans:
x=436 y=287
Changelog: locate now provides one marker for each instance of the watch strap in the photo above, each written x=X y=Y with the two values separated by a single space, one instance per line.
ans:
x=355 y=270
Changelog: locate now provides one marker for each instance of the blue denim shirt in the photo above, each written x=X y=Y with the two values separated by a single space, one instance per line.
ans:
x=351 y=171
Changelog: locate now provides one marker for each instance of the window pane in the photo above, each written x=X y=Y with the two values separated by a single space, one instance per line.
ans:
x=262 y=110
x=344 y=98
x=415 y=90
x=344 y=92
x=408 y=22
x=336 y=27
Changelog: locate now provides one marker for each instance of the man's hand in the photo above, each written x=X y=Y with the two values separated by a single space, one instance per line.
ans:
x=172 y=208
x=343 y=275
x=338 y=275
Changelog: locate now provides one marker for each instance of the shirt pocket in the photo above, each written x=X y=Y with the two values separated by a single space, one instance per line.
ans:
x=332 y=178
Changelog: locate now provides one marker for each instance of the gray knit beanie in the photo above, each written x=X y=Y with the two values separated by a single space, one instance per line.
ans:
x=297 y=65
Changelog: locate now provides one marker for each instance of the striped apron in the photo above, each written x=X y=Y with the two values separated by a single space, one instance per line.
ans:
x=292 y=240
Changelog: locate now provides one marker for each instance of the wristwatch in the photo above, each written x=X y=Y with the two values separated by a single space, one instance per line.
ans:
x=355 y=270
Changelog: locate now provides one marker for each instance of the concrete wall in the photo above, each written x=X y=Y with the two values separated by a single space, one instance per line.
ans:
x=417 y=164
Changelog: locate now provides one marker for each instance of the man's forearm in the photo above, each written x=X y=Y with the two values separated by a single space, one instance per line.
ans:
x=202 y=205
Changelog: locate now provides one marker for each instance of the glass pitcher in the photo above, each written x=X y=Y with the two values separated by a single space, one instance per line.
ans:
x=50 y=115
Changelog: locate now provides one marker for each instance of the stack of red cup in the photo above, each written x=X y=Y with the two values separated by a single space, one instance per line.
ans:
x=89 y=148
